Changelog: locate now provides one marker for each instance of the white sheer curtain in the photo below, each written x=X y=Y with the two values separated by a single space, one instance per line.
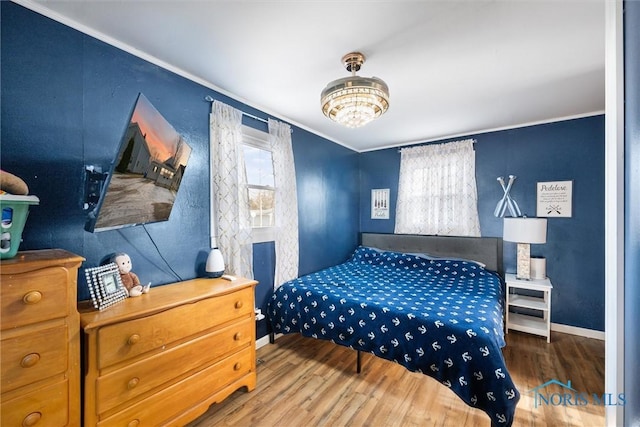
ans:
x=230 y=198
x=437 y=191
x=287 y=251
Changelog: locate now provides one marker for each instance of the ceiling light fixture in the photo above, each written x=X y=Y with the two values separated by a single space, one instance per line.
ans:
x=355 y=101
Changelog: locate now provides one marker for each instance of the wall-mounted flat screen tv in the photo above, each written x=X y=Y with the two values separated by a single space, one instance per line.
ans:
x=145 y=176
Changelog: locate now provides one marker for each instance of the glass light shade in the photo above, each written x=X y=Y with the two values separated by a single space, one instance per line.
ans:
x=355 y=101
x=215 y=263
x=525 y=230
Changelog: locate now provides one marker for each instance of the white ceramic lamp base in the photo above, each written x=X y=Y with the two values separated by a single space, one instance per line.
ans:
x=523 y=271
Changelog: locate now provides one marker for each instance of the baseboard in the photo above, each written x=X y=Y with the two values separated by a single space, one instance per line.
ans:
x=574 y=330
x=261 y=342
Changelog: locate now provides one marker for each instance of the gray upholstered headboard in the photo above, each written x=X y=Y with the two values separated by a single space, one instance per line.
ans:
x=487 y=250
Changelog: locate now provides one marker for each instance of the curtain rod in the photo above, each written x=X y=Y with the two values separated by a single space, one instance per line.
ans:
x=473 y=141
x=251 y=116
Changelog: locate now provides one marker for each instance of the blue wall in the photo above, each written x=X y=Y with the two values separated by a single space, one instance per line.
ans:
x=632 y=212
x=567 y=150
x=65 y=102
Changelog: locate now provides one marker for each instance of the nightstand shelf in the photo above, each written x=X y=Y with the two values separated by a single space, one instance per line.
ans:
x=539 y=321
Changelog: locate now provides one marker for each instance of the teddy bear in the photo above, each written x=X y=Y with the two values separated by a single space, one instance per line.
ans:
x=130 y=279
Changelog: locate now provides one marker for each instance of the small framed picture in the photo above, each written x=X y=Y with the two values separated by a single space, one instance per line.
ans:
x=105 y=285
x=380 y=203
x=554 y=199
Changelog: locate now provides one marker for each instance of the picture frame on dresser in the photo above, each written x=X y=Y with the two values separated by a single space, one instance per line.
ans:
x=105 y=285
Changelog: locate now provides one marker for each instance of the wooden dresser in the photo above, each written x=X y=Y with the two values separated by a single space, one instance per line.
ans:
x=40 y=347
x=164 y=357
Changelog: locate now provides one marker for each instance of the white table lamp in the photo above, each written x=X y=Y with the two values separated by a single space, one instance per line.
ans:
x=525 y=231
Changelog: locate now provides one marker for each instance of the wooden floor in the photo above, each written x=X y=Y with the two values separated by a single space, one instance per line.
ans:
x=308 y=382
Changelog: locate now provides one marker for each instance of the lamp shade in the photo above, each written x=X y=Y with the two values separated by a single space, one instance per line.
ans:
x=525 y=230
x=215 y=263
x=355 y=101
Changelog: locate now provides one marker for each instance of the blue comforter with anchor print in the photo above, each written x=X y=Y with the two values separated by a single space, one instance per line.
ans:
x=440 y=317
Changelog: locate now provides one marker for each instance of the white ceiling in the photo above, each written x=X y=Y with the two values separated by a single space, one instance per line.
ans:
x=453 y=67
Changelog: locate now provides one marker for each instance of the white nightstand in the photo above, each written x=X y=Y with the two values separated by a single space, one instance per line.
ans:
x=540 y=304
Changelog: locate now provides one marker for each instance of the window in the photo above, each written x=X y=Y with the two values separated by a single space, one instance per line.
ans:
x=258 y=161
x=437 y=190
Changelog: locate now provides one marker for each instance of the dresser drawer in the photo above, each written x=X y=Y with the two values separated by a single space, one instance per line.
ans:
x=33 y=297
x=170 y=402
x=32 y=357
x=47 y=406
x=124 y=384
x=121 y=341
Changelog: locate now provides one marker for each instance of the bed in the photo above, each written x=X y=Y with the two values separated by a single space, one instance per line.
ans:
x=432 y=304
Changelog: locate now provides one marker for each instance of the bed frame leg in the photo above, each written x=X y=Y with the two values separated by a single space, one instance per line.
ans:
x=272 y=338
x=358 y=362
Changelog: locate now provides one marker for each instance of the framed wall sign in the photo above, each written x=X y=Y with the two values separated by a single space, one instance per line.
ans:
x=105 y=285
x=554 y=199
x=380 y=203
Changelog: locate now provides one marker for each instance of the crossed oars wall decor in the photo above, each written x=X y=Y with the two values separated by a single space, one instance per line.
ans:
x=506 y=202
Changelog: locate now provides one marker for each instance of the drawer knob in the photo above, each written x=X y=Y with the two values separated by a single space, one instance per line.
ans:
x=237 y=366
x=237 y=336
x=32 y=297
x=239 y=304
x=29 y=360
x=133 y=382
x=31 y=419
x=133 y=339
x=133 y=423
